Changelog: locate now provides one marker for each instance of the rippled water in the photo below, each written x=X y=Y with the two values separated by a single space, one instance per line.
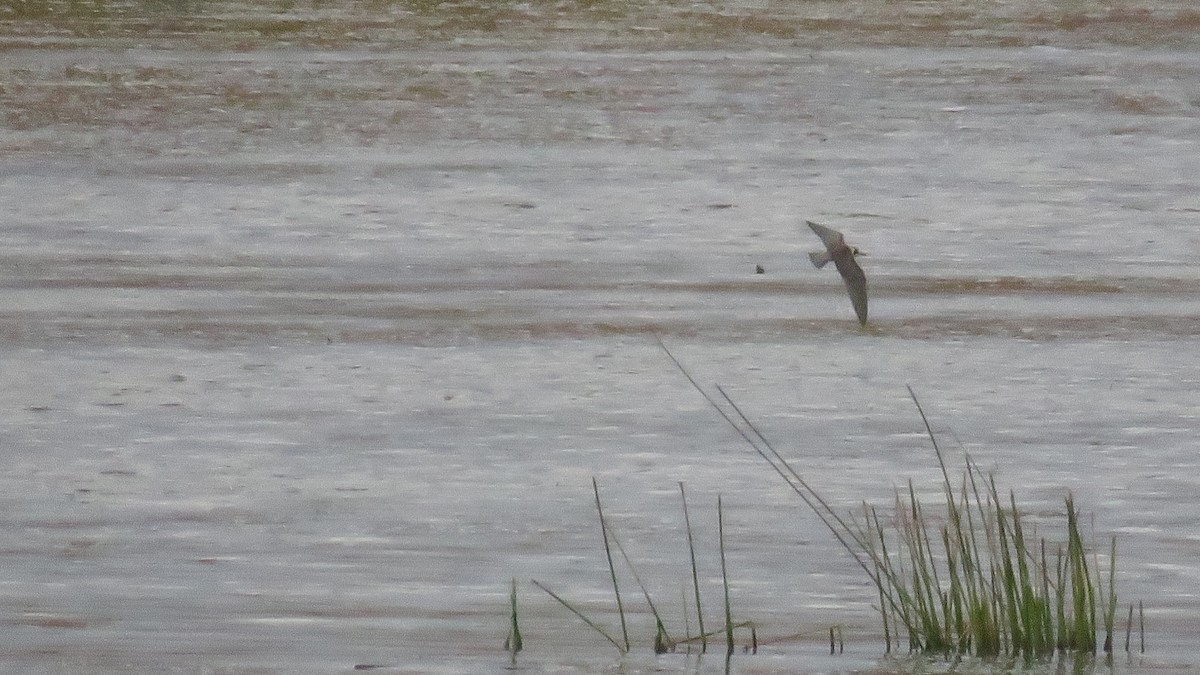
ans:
x=319 y=320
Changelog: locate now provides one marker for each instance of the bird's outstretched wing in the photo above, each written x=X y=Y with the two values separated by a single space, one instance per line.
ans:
x=831 y=238
x=856 y=285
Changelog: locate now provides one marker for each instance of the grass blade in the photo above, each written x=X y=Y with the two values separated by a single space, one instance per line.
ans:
x=687 y=520
x=724 y=579
x=594 y=626
x=513 y=643
x=612 y=570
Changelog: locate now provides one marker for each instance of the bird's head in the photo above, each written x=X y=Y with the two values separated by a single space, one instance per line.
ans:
x=854 y=251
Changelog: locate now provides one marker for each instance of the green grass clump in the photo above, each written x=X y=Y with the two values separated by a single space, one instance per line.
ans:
x=976 y=583
x=966 y=578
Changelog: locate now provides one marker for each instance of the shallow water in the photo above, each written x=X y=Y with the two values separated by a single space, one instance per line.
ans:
x=317 y=323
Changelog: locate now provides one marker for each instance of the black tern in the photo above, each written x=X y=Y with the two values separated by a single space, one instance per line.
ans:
x=842 y=257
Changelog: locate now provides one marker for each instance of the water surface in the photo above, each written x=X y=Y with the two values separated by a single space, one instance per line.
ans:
x=318 y=321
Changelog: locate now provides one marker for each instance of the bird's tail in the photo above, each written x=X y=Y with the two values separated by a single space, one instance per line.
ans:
x=820 y=258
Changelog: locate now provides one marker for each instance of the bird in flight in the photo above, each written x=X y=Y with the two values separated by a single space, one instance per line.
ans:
x=843 y=258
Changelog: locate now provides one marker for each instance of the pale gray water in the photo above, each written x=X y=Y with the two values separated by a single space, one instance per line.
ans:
x=314 y=334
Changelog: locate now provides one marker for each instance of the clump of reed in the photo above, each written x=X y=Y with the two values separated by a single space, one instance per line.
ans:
x=663 y=640
x=968 y=578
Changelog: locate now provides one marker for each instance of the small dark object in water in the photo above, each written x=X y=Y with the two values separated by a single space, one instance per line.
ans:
x=758 y=269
